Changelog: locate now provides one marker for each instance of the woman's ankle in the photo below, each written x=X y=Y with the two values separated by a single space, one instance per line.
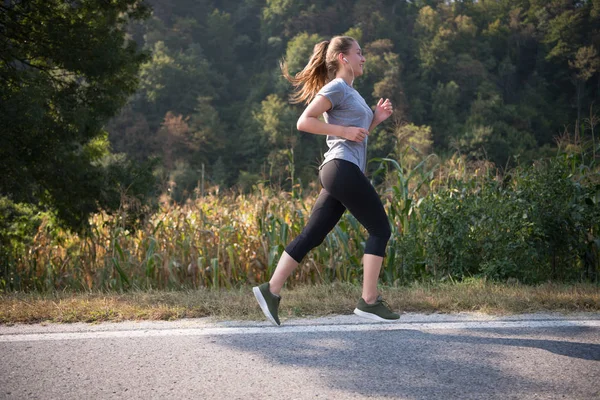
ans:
x=274 y=289
x=370 y=299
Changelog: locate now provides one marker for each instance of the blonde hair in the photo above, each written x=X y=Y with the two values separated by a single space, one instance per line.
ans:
x=321 y=68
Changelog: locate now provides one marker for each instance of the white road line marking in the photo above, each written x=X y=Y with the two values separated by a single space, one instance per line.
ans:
x=299 y=329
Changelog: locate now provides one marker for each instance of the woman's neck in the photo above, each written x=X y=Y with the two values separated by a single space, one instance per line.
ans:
x=346 y=75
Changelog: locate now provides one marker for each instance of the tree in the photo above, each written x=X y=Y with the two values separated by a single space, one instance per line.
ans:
x=502 y=76
x=274 y=15
x=277 y=120
x=383 y=75
x=571 y=29
x=299 y=50
x=586 y=64
x=172 y=81
x=434 y=40
x=65 y=69
x=219 y=41
x=445 y=112
x=413 y=144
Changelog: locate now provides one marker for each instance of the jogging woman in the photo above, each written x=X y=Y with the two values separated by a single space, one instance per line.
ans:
x=325 y=84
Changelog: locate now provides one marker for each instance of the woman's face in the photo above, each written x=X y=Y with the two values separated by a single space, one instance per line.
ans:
x=355 y=59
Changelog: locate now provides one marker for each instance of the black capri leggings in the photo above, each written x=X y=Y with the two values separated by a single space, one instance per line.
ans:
x=344 y=187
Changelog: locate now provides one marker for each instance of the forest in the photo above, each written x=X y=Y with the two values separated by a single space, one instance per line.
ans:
x=496 y=80
x=153 y=143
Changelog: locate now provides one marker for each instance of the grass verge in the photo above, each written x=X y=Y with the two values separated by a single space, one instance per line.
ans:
x=317 y=300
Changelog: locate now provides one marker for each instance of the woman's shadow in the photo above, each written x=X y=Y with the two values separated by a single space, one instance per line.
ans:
x=426 y=363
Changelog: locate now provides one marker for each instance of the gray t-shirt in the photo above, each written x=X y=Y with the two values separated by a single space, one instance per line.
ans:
x=348 y=109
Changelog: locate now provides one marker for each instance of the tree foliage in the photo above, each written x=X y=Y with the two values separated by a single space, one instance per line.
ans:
x=491 y=79
x=495 y=79
x=66 y=68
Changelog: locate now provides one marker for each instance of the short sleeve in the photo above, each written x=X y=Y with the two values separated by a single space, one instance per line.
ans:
x=334 y=91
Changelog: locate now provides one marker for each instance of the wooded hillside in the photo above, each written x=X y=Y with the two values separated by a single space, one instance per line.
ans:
x=491 y=79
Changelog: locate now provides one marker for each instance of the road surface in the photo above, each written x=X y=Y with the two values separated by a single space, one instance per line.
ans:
x=457 y=356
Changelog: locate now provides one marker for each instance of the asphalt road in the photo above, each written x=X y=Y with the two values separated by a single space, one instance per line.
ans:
x=464 y=356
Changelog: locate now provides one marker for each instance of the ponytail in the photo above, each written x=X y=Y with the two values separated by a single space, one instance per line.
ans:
x=320 y=69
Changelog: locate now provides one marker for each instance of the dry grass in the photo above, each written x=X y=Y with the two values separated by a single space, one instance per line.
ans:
x=317 y=300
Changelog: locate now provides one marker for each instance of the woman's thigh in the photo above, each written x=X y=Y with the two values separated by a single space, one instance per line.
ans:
x=346 y=182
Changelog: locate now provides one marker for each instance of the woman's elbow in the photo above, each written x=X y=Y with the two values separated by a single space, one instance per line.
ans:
x=301 y=124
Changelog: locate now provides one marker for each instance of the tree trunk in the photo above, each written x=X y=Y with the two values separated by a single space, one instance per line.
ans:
x=579 y=89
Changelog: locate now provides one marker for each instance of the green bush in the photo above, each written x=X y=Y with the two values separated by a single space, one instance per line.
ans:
x=539 y=223
x=18 y=225
x=474 y=233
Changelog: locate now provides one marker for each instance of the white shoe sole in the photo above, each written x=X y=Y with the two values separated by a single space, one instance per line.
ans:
x=372 y=317
x=263 y=305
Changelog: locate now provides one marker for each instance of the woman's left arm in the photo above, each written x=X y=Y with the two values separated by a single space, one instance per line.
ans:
x=383 y=110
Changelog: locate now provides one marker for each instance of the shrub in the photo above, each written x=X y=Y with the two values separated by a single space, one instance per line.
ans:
x=538 y=223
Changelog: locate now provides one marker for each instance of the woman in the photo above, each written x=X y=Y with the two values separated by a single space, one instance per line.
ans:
x=348 y=121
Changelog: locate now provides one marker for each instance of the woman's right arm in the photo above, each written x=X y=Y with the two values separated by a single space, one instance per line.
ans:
x=309 y=122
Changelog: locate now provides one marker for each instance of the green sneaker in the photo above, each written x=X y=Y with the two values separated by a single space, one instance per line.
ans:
x=379 y=311
x=268 y=302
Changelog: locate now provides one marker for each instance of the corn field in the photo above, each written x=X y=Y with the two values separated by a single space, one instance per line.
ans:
x=225 y=240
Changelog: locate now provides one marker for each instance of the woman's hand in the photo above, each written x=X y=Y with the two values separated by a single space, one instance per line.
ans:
x=354 y=133
x=383 y=110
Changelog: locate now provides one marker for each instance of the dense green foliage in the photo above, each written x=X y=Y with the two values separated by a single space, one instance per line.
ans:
x=189 y=94
x=66 y=68
x=536 y=224
x=492 y=79
x=540 y=225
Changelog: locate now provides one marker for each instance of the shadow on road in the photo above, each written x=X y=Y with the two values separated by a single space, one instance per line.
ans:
x=409 y=363
x=584 y=351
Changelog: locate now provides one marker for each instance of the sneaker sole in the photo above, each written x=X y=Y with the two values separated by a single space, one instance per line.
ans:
x=263 y=305
x=372 y=317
